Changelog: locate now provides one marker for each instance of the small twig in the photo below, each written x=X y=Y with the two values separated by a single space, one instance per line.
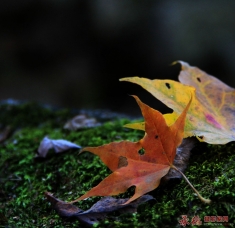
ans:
x=208 y=201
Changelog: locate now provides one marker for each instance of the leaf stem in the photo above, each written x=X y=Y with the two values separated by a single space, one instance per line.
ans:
x=208 y=201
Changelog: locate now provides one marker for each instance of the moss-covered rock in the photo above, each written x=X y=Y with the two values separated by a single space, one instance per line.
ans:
x=24 y=179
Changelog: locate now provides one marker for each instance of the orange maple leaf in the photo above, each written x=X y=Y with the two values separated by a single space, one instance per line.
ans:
x=130 y=168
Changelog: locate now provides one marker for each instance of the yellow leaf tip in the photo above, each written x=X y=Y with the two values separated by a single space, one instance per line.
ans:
x=127 y=78
x=173 y=63
x=182 y=63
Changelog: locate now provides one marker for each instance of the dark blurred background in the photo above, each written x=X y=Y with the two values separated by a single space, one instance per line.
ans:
x=71 y=53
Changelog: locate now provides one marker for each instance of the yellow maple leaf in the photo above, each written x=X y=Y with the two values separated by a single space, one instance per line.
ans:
x=212 y=112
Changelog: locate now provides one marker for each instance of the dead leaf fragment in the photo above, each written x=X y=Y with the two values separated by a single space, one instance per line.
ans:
x=81 y=121
x=59 y=145
x=98 y=211
x=181 y=158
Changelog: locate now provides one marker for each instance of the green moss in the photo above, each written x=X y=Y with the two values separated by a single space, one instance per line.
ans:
x=24 y=179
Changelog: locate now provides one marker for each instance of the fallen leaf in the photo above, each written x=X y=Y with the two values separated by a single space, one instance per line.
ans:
x=98 y=211
x=143 y=163
x=81 y=121
x=174 y=94
x=217 y=100
x=211 y=114
x=59 y=145
x=181 y=158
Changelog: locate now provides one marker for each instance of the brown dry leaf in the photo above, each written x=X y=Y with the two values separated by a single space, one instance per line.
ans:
x=181 y=158
x=81 y=121
x=98 y=211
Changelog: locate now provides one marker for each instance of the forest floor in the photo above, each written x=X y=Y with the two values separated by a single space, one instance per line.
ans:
x=25 y=178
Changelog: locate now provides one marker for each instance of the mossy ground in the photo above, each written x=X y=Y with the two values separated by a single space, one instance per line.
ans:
x=24 y=179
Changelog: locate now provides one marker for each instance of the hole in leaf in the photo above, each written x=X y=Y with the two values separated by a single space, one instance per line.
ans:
x=168 y=85
x=156 y=136
x=131 y=190
x=128 y=193
x=199 y=79
x=141 y=151
x=201 y=137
